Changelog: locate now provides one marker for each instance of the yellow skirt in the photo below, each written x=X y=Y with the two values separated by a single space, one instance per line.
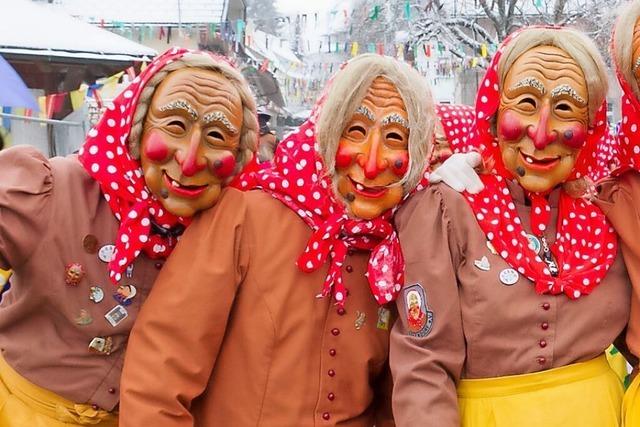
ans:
x=585 y=394
x=24 y=404
x=631 y=405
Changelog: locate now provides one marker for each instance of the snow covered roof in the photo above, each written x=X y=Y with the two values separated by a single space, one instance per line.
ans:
x=148 y=11
x=38 y=29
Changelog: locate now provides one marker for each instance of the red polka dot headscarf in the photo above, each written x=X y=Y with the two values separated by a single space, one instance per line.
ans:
x=627 y=154
x=299 y=179
x=106 y=158
x=456 y=120
x=585 y=244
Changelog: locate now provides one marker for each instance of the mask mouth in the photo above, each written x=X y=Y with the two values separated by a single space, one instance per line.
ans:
x=182 y=190
x=539 y=163
x=373 y=192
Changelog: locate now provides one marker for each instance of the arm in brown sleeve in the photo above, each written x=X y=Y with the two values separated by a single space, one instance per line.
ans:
x=382 y=402
x=26 y=183
x=175 y=341
x=427 y=363
x=619 y=199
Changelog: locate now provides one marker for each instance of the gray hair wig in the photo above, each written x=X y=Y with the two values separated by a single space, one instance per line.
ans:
x=249 y=131
x=622 y=49
x=576 y=44
x=346 y=93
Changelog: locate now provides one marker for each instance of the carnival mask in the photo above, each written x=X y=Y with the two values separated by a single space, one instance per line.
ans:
x=635 y=47
x=543 y=117
x=190 y=139
x=373 y=154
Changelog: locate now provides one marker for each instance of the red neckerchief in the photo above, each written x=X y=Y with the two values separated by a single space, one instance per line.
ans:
x=585 y=243
x=105 y=156
x=299 y=180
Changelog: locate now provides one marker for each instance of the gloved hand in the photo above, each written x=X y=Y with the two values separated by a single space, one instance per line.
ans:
x=458 y=173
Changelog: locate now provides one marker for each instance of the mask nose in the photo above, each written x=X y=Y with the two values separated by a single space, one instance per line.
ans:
x=188 y=161
x=371 y=161
x=539 y=134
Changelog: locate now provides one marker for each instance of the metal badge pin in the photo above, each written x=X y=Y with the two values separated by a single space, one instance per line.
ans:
x=534 y=243
x=96 y=294
x=106 y=252
x=383 y=318
x=482 y=264
x=125 y=293
x=361 y=317
x=116 y=315
x=90 y=244
x=73 y=274
x=491 y=248
x=102 y=345
x=548 y=258
x=84 y=318
x=509 y=276
x=129 y=271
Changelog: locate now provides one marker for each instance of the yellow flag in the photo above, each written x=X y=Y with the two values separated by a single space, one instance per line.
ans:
x=483 y=50
x=77 y=98
x=354 y=48
x=474 y=62
x=42 y=104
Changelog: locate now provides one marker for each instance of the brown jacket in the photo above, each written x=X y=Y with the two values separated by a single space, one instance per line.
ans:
x=47 y=209
x=235 y=335
x=482 y=327
x=620 y=201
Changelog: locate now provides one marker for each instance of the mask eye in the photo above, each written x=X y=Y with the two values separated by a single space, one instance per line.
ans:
x=176 y=127
x=564 y=107
x=215 y=134
x=528 y=103
x=356 y=131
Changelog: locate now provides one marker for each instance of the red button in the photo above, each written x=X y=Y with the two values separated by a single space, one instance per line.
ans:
x=349 y=269
x=341 y=311
x=541 y=360
x=111 y=390
x=158 y=265
x=95 y=407
x=332 y=352
x=331 y=396
x=543 y=343
x=335 y=332
x=546 y=306
x=544 y=325
x=351 y=252
x=326 y=416
x=331 y=373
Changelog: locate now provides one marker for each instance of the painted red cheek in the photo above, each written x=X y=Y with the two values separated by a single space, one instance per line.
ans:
x=344 y=156
x=223 y=167
x=510 y=128
x=155 y=147
x=574 y=136
x=399 y=163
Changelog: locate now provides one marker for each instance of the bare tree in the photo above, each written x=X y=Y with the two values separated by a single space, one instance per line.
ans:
x=465 y=30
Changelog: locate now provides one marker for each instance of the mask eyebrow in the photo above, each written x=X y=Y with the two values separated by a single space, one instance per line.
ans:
x=181 y=104
x=532 y=83
x=220 y=117
x=395 y=118
x=366 y=112
x=565 y=89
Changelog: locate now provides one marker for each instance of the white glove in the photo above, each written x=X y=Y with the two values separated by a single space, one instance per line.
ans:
x=458 y=173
